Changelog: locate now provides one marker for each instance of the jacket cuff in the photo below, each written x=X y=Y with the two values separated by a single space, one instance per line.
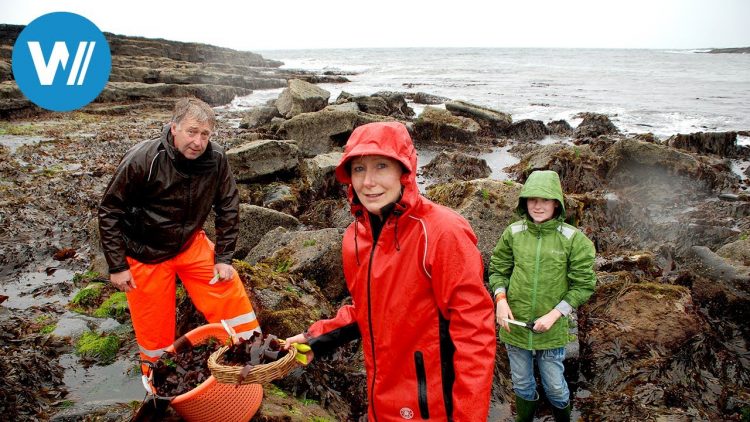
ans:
x=564 y=308
x=325 y=344
x=119 y=268
x=223 y=258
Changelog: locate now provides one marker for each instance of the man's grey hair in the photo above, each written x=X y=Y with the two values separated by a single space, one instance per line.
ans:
x=195 y=108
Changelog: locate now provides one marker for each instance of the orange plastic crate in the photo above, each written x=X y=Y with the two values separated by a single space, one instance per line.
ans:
x=212 y=401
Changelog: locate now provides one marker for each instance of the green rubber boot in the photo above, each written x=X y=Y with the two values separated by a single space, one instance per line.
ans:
x=525 y=409
x=561 y=415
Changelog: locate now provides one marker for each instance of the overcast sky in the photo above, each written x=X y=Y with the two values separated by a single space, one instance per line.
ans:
x=291 y=24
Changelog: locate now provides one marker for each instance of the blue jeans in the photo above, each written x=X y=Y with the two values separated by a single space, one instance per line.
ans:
x=551 y=370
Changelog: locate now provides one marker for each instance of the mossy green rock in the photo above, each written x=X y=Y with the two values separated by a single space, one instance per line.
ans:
x=89 y=295
x=102 y=349
x=116 y=306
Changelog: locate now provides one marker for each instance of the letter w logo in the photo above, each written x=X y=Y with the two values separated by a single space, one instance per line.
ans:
x=46 y=71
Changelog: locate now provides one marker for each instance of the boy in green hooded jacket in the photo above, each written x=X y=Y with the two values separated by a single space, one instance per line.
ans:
x=540 y=270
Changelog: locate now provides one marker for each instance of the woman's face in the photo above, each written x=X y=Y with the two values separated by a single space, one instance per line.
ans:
x=376 y=180
x=541 y=209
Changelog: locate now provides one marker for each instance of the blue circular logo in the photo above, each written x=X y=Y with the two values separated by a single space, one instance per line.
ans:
x=61 y=61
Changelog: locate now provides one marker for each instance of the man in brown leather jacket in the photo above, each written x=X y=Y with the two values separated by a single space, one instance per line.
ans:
x=151 y=218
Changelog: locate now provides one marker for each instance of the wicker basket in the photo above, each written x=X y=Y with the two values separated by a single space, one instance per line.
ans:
x=258 y=374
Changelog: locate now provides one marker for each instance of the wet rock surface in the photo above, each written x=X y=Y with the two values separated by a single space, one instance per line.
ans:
x=449 y=166
x=723 y=144
x=528 y=130
x=301 y=97
x=258 y=159
x=580 y=169
x=594 y=125
x=316 y=255
x=384 y=103
x=483 y=203
x=321 y=132
x=435 y=124
x=493 y=122
x=665 y=336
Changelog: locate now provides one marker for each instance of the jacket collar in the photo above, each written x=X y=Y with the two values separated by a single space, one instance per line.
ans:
x=543 y=228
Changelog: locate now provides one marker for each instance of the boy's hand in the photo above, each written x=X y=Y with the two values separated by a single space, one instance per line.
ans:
x=502 y=310
x=546 y=322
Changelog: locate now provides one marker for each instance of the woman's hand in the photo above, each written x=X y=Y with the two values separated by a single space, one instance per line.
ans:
x=502 y=310
x=545 y=322
x=299 y=339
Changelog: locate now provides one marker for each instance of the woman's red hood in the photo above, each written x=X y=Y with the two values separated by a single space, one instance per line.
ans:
x=389 y=139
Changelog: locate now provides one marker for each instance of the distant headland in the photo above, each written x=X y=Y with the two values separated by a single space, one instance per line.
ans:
x=740 y=50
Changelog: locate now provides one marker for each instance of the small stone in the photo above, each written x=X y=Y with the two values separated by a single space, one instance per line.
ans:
x=729 y=197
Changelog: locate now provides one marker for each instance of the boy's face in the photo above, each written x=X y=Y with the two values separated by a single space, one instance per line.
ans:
x=541 y=209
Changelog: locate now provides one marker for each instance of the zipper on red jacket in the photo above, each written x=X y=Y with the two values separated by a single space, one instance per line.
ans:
x=372 y=336
x=369 y=314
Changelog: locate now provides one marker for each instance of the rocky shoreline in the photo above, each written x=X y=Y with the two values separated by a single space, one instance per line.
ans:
x=146 y=69
x=664 y=337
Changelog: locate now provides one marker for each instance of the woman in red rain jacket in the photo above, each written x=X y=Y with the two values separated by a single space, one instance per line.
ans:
x=415 y=276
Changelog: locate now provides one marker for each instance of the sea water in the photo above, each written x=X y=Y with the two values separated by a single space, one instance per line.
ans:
x=663 y=92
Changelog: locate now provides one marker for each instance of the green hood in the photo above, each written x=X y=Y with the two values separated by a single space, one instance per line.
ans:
x=541 y=184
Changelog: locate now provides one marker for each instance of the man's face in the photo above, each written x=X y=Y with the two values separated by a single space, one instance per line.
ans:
x=191 y=137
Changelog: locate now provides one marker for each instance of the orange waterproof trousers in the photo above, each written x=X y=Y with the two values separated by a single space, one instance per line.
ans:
x=152 y=303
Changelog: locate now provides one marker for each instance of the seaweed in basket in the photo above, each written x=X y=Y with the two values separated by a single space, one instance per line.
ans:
x=256 y=350
x=177 y=373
